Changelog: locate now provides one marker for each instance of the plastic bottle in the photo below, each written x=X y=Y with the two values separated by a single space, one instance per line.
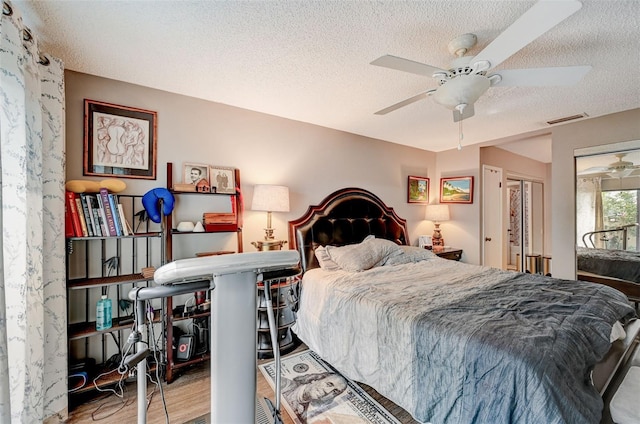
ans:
x=103 y=313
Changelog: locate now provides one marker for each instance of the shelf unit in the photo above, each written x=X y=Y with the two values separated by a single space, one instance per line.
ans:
x=172 y=363
x=90 y=271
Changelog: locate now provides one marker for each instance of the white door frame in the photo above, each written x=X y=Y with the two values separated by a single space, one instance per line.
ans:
x=492 y=231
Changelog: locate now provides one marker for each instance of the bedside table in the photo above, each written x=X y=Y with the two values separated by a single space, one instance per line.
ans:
x=449 y=253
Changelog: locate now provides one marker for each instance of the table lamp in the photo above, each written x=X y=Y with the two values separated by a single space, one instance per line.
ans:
x=437 y=214
x=270 y=198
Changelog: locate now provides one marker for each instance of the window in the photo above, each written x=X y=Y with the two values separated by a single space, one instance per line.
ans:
x=620 y=211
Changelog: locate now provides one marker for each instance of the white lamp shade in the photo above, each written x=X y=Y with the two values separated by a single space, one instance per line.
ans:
x=270 y=198
x=437 y=213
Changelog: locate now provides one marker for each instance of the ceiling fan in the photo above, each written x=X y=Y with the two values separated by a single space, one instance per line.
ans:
x=468 y=77
x=618 y=169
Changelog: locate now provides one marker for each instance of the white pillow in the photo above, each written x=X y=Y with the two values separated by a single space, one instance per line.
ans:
x=324 y=260
x=360 y=257
x=410 y=254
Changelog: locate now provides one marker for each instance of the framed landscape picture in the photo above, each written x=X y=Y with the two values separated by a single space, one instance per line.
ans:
x=418 y=189
x=119 y=141
x=456 y=190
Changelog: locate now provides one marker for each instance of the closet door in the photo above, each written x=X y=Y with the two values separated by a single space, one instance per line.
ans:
x=492 y=227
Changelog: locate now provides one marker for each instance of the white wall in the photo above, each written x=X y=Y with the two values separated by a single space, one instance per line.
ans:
x=463 y=231
x=312 y=161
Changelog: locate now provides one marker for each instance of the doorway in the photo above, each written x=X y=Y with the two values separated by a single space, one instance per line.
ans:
x=525 y=231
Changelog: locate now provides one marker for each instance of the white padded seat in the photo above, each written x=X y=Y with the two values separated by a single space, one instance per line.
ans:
x=624 y=407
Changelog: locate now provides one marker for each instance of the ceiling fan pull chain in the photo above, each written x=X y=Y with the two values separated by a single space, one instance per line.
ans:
x=460 y=109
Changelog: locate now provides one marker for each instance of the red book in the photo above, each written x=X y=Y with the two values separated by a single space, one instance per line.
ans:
x=68 y=222
x=73 y=210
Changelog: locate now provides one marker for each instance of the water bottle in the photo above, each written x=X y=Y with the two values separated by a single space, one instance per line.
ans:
x=103 y=313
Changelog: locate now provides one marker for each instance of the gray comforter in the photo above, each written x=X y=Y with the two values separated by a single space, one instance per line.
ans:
x=457 y=343
x=623 y=264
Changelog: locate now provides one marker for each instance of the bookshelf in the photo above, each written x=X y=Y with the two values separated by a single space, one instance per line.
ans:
x=112 y=265
x=173 y=364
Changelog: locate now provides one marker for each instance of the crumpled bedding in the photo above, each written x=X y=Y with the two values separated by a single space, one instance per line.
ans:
x=623 y=264
x=457 y=343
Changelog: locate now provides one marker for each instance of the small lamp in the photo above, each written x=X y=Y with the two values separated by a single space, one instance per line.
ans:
x=270 y=198
x=437 y=214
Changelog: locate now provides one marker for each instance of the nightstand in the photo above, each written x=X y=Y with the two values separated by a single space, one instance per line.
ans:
x=449 y=253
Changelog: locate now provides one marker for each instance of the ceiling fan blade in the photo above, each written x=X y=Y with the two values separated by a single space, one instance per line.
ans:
x=406 y=65
x=594 y=170
x=467 y=112
x=541 y=77
x=406 y=102
x=540 y=18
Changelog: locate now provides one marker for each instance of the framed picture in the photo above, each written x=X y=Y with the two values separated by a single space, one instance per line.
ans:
x=223 y=180
x=456 y=190
x=426 y=242
x=196 y=175
x=418 y=190
x=119 y=141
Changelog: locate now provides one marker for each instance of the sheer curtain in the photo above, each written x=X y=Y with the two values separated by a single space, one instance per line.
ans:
x=33 y=347
x=589 y=213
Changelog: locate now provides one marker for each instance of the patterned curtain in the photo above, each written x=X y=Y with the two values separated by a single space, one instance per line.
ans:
x=33 y=322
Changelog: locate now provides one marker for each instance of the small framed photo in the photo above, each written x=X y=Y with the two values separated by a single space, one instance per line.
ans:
x=196 y=175
x=418 y=189
x=223 y=180
x=456 y=190
x=426 y=242
x=119 y=141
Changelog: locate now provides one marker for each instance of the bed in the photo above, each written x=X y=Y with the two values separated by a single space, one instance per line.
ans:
x=614 y=267
x=447 y=341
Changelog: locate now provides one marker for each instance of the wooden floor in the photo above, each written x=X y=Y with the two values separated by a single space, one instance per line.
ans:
x=187 y=398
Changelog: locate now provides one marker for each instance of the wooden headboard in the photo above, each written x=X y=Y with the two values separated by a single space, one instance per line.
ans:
x=344 y=217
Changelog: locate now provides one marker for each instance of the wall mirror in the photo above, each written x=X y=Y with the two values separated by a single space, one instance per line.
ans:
x=607 y=215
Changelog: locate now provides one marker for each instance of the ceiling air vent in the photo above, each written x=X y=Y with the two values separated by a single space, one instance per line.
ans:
x=567 y=118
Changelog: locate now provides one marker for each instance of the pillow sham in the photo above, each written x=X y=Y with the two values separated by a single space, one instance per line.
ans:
x=324 y=260
x=410 y=254
x=369 y=253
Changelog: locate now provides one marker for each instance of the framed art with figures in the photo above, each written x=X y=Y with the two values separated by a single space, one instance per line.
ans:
x=119 y=141
x=196 y=175
x=223 y=180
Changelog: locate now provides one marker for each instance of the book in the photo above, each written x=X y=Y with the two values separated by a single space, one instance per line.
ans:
x=68 y=221
x=88 y=216
x=113 y=202
x=73 y=210
x=103 y=219
x=125 y=225
x=83 y=223
x=94 y=208
x=108 y=213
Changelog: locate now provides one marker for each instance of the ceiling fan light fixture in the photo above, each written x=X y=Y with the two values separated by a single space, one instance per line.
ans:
x=465 y=89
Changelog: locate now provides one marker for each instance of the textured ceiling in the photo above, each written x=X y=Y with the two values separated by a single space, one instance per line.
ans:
x=309 y=60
